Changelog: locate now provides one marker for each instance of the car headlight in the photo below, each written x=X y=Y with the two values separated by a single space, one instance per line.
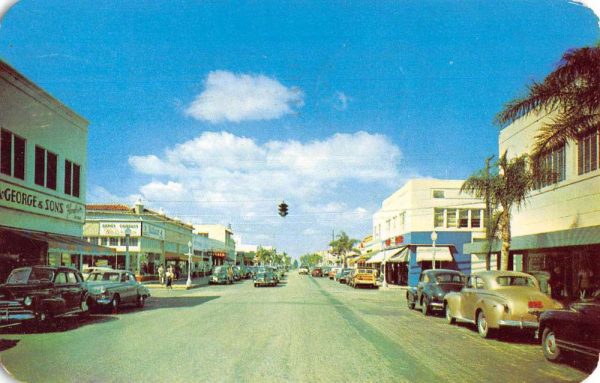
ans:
x=27 y=301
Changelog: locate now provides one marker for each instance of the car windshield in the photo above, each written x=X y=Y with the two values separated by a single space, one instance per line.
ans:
x=448 y=278
x=107 y=276
x=29 y=275
x=512 y=280
x=365 y=271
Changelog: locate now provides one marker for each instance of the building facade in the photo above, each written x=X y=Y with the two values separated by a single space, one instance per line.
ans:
x=401 y=243
x=557 y=232
x=43 y=162
x=222 y=234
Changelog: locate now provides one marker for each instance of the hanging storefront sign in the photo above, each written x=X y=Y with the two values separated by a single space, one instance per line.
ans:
x=117 y=229
x=152 y=231
x=21 y=198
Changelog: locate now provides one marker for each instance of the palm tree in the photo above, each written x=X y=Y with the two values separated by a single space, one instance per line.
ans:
x=570 y=94
x=342 y=245
x=508 y=186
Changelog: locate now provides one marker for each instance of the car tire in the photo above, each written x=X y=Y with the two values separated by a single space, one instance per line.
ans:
x=483 y=327
x=449 y=318
x=114 y=304
x=551 y=350
x=141 y=301
x=410 y=303
x=425 y=306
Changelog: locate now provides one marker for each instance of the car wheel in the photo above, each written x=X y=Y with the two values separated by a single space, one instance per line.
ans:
x=425 y=306
x=114 y=304
x=141 y=300
x=483 y=327
x=551 y=351
x=410 y=303
x=449 y=318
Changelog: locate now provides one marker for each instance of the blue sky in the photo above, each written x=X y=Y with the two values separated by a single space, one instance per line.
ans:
x=216 y=111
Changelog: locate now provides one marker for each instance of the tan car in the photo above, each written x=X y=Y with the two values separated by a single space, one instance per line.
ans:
x=495 y=299
x=364 y=277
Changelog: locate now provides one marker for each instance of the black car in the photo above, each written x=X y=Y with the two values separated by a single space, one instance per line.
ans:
x=37 y=294
x=576 y=330
x=432 y=287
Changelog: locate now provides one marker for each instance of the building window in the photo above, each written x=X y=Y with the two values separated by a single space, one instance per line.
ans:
x=476 y=218
x=72 y=178
x=104 y=241
x=133 y=241
x=113 y=241
x=12 y=154
x=438 y=194
x=553 y=164
x=451 y=218
x=438 y=218
x=45 y=168
x=587 y=152
x=463 y=218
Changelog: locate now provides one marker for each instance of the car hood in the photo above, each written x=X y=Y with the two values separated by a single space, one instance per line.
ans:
x=20 y=291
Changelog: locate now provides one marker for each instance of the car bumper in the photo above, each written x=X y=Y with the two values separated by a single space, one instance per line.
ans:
x=518 y=323
x=13 y=317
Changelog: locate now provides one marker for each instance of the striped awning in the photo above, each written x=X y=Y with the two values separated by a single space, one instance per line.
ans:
x=385 y=255
x=58 y=243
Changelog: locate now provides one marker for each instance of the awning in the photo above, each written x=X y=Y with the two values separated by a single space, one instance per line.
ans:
x=401 y=256
x=581 y=236
x=385 y=255
x=58 y=243
x=425 y=253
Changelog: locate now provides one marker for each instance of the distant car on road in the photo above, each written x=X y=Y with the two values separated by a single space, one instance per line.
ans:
x=432 y=287
x=303 y=270
x=325 y=271
x=115 y=288
x=316 y=272
x=264 y=278
x=363 y=277
x=333 y=272
x=37 y=294
x=342 y=275
x=221 y=275
x=574 y=330
x=495 y=299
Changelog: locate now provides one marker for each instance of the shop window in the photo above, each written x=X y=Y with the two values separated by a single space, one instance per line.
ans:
x=12 y=154
x=587 y=152
x=114 y=241
x=104 y=241
x=45 y=168
x=133 y=242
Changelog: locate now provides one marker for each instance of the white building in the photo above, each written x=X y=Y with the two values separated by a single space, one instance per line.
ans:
x=43 y=162
x=560 y=223
x=402 y=228
x=222 y=234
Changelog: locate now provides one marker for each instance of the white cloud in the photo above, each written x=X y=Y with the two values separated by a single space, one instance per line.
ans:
x=594 y=5
x=240 y=97
x=342 y=101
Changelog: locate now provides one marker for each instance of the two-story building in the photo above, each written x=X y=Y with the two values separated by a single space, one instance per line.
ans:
x=222 y=234
x=43 y=161
x=557 y=231
x=402 y=229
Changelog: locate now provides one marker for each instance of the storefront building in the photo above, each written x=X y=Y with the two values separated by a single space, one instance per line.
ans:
x=401 y=245
x=556 y=234
x=142 y=238
x=222 y=234
x=43 y=158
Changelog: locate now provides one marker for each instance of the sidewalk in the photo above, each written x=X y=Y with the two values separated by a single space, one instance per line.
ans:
x=180 y=284
x=391 y=287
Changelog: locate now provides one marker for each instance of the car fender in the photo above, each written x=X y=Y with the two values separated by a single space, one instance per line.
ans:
x=411 y=294
x=452 y=301
x=493 y=309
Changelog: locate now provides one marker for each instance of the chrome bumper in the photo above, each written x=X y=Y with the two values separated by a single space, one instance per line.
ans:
x=518 y=323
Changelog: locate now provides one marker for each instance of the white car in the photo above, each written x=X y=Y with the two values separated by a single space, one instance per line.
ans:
x=88 y=270
x=303 y=270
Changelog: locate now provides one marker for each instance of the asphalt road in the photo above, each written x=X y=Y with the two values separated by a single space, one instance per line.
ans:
x=306 y=329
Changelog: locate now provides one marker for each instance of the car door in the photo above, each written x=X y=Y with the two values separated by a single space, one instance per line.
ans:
x=468 y=297
x=126 y=289
x=75 y=290
x=132 y=287
x=64 y=294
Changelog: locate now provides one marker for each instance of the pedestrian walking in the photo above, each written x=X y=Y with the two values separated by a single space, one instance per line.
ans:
x=161 y=275
x=170 y=278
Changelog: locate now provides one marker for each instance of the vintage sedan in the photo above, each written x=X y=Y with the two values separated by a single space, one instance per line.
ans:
x=221 y=275
x=432 y=287
x=265 y=278
x=364 y=277
x=496 y=299
x=574 y=330
x=317 y=272
x=115 y=288
x=39 y=293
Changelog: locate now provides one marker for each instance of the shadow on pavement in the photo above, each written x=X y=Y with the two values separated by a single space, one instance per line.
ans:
x=6 y=344
x=154 y=303
x=58 y=324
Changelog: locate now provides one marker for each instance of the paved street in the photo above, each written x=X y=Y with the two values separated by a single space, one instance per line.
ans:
x=306 y=329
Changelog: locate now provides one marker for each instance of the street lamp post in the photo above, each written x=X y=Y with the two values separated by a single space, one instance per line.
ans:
x=434 y=237
x=127 y=236
x=189 y=280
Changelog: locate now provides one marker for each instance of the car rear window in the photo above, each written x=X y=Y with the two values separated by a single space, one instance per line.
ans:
x=27 y=275
x=508 y=280
x=448 y=278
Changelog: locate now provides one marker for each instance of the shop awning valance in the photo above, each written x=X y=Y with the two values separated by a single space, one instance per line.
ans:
x=425 y=253
x=58 y=243
x=402 y=256
x=385 y=255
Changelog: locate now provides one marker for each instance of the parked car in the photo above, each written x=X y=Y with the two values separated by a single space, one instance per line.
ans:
x=333 y=272
x=265 y=278
x=115 y=288
x=237 y=273
x=342 y=276
x=37 y=294
x=303 y=270
x=495 y=299
x=325 y=271
x=364 y=277
x=573 y=330
x=432 y=287
x=88 y=270
x=221 y=275
x=317 y=272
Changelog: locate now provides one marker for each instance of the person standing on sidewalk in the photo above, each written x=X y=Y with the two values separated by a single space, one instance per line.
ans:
x=169 y=278
x=161 y=275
